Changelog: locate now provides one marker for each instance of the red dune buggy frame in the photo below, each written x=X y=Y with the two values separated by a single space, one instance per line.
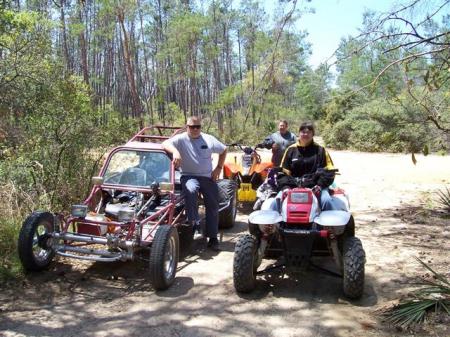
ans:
x=135 y=205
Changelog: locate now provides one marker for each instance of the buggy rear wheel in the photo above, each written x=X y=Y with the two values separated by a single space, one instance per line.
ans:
x=244 y=263
x=227 y=190
x=35 y=252
x=164 y=257
x=354 y=259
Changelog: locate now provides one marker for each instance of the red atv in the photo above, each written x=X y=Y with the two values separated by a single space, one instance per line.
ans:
x=292 y=228
x=135 y=205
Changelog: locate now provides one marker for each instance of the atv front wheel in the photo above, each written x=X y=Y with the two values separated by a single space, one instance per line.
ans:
x=244 y=264
x=164 y=257
x=34 y=249
x=354 y=259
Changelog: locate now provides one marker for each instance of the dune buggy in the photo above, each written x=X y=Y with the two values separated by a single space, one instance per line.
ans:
x=135 y=205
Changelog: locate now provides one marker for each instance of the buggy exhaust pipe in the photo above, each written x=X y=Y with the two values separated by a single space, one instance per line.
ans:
x=92 y=254
x=110 y=241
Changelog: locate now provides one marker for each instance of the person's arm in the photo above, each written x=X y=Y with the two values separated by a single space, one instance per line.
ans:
x=220 y=162
x=176 y=157
x=286 y=162
x=275 y=146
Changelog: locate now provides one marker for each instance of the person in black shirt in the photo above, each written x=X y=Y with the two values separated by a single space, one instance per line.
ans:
x=311 y=162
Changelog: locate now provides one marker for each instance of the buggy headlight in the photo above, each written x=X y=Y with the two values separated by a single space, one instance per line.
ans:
x=125 y=215
x=79 y=211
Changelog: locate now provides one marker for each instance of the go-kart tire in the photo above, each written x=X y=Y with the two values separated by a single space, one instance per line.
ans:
x=244 y=263
x=164 y=257
x=33 y=252
x=354 y=259
x=227 y=216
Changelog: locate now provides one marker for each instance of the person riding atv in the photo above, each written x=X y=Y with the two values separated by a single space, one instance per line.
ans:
x=312 y=163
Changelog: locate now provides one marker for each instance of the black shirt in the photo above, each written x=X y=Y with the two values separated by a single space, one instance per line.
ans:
x=300 y=160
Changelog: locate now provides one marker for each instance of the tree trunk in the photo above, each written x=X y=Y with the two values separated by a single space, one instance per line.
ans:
x=135 y=102
x=82 y=41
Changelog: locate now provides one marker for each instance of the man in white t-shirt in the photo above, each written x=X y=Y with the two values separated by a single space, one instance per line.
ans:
x=192 y=152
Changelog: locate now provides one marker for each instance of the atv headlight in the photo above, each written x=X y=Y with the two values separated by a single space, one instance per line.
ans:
x=79 y=211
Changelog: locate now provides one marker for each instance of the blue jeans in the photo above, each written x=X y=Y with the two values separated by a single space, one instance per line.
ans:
x=190 y=186
x=328 y=203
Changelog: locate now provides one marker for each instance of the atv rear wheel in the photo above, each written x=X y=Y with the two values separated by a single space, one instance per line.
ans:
x=164 y=257
x=354 y=259
x=34 y=250
x=227 y=216
x=244 y=264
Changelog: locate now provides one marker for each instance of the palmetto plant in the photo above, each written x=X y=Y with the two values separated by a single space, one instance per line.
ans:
x=433 y=295
x=444 y=198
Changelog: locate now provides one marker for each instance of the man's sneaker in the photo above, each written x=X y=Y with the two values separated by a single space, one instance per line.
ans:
x=213 y=244
x=197 y=232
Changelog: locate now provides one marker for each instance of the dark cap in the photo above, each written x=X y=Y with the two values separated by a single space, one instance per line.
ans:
x=307 y=126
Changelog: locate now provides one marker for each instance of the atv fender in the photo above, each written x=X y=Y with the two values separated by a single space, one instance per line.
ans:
x=264 y=217
x=332 y=218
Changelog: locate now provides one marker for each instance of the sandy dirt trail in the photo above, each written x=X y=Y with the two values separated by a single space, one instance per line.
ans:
x=388 y=194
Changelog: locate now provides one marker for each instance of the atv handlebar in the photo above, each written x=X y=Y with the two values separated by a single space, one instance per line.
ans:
x=266 y=144
x=245 y=149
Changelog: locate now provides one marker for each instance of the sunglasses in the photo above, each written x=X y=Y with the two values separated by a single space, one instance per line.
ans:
x=194 y=126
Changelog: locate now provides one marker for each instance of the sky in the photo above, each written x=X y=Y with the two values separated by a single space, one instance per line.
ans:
x=332 y=20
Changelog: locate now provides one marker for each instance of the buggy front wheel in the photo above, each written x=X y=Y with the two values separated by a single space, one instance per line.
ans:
x=34 y=248
x=164 y=257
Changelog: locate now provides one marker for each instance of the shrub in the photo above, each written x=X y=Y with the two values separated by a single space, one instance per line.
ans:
x=376 y=126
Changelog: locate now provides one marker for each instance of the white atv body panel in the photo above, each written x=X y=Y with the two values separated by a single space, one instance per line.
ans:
x=332 y=218
x=324 y=218
x=264 y=217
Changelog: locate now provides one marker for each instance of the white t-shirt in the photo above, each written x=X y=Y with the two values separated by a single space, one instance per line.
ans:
x=196 y=153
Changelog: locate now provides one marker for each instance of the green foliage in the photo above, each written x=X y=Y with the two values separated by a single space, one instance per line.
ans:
x=376 y=126
x=433 y=295
x=360 y=61
x=444 y=198
x=312 y=93
x=25 y=57
x=341 y=103
x=10 y=219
